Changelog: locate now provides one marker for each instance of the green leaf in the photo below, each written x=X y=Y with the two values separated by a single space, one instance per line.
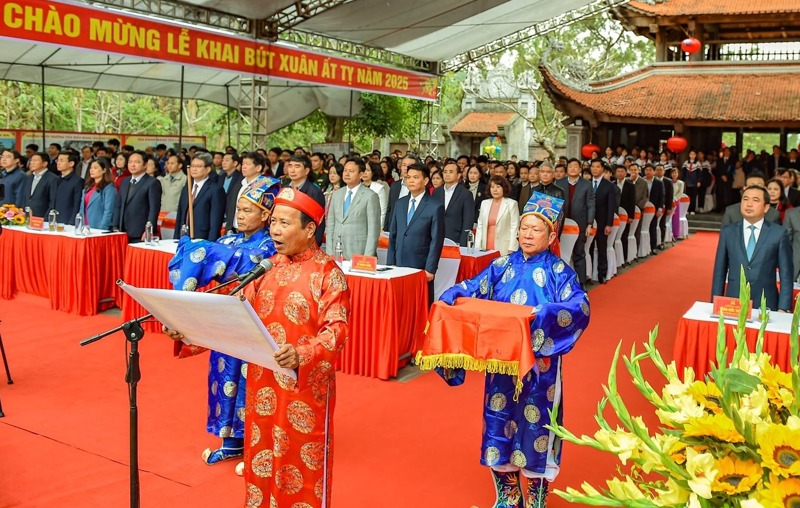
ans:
x=739 y=381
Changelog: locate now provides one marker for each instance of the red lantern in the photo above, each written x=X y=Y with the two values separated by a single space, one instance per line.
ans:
x=677 y=144
x=691 y=45
x=588 y=149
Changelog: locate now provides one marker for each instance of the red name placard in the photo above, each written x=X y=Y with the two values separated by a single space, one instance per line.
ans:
x=79 y=26
x=730 y=307
x=364 y=263
x=36 y=223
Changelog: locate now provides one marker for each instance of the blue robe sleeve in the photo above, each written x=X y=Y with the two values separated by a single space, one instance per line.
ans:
x=559 y=324
x=198 y=262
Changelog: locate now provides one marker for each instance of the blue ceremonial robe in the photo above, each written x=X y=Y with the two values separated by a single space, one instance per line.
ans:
x=514 y=433
x=196 y=263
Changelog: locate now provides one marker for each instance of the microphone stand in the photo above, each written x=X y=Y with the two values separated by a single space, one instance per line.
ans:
x=133 y=334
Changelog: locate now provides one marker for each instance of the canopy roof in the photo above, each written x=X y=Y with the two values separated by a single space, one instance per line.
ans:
x=432 y=31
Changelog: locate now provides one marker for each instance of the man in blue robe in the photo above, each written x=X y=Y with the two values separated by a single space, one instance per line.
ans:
x=198 y=262
x=515 y=440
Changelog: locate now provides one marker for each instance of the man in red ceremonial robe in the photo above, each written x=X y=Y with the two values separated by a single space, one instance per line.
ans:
x=304 y=302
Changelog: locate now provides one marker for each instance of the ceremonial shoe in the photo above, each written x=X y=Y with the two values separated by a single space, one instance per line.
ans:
x=509 y=492
x=220 y=454
x=536 y=493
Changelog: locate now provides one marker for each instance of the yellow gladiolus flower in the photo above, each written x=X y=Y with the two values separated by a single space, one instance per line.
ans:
x=688 y=409
x=701 y=468
x=780 y=450
x=754 y=407
x=624 y=491
x=736 y=476
x=621 y=443
x=717 y=426
x=671 y=495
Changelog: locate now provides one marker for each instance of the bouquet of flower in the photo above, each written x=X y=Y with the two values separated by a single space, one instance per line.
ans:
x=732 y=439
x=10 y=215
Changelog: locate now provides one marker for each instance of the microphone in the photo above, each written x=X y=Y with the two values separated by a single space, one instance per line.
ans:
x=260 y=269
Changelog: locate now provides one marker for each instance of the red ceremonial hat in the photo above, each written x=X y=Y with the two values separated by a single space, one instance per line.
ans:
x=301 y=201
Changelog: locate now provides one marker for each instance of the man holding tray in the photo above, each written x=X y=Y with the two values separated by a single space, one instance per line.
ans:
x=515 y=441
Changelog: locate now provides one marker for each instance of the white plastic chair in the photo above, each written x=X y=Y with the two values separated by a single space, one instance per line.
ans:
x=381 y=253
x=644 y=236
x=569 y=235
x=632 y=247
x=683 y=208
x=447 y=271
x=623 y=221
x=610 y=251
x=669 y=235
x=589 y=240
x=167 y=225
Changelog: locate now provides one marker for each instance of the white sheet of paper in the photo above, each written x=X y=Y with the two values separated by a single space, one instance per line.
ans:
x=199 y=317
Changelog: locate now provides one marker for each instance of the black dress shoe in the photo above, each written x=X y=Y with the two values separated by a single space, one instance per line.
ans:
x=601 y=280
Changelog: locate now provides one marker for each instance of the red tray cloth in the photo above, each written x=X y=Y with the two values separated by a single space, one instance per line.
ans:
x=479 y=335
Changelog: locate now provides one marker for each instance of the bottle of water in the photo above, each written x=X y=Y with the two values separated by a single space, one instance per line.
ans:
x=79 y=225
x=338 y=252
x=148 y=233
x=184 y=231
x=470 y=241
x=52 y=220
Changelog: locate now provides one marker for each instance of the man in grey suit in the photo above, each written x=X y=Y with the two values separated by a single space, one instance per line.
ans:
x=354 y=217
x=579 y=207
x=733 y=213
x=758 y=246
x=791 y=221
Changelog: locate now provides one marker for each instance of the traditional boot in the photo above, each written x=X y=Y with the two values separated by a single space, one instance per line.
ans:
x=232 y=447
x=509 y=492
x=536 y=495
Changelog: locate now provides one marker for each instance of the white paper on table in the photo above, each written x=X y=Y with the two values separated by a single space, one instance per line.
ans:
x=197 y=316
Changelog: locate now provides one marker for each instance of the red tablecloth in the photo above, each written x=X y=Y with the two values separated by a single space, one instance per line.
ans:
x=144 y=268
x=77 y=274
x=471 y=266
x=696 y=344
x=387 y=320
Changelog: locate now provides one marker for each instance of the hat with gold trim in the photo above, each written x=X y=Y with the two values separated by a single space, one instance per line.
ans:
x=547 y=208
x=263 y=193
x=301 y=201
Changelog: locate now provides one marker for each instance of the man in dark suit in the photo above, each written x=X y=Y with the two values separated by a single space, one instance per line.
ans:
x=459 y=207
x=723 y=174
x=52 y=151
x=776 y=161
x=605 y=206
x=138 y=201
x=230 y=165
x=70 y=187
x=416 y=230
x=760 y=248
x=275 y=165
x=793 y=162
x=787 y=178
x=669 y=195
x=579 y=206
x=640 y=189
x=208 y=200
x=655 y=191
x=297 y=168
x=252 y=165
x=733 y=213
x=627 y=201
x=398 y=188
x=40 y=186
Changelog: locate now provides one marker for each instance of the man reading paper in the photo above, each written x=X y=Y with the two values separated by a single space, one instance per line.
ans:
x=304 y=302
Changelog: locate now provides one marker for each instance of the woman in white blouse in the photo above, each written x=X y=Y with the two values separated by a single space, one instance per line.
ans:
x=372 y=177
x=498 y=219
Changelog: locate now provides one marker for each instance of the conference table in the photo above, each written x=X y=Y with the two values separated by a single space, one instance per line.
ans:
x=696 y=339
x=387 y=319
x=474 y=262
x=77 y=274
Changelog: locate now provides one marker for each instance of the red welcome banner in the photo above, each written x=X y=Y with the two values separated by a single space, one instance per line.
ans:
x=95 y=29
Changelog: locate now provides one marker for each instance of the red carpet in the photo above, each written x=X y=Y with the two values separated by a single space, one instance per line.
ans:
x=64 y=440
